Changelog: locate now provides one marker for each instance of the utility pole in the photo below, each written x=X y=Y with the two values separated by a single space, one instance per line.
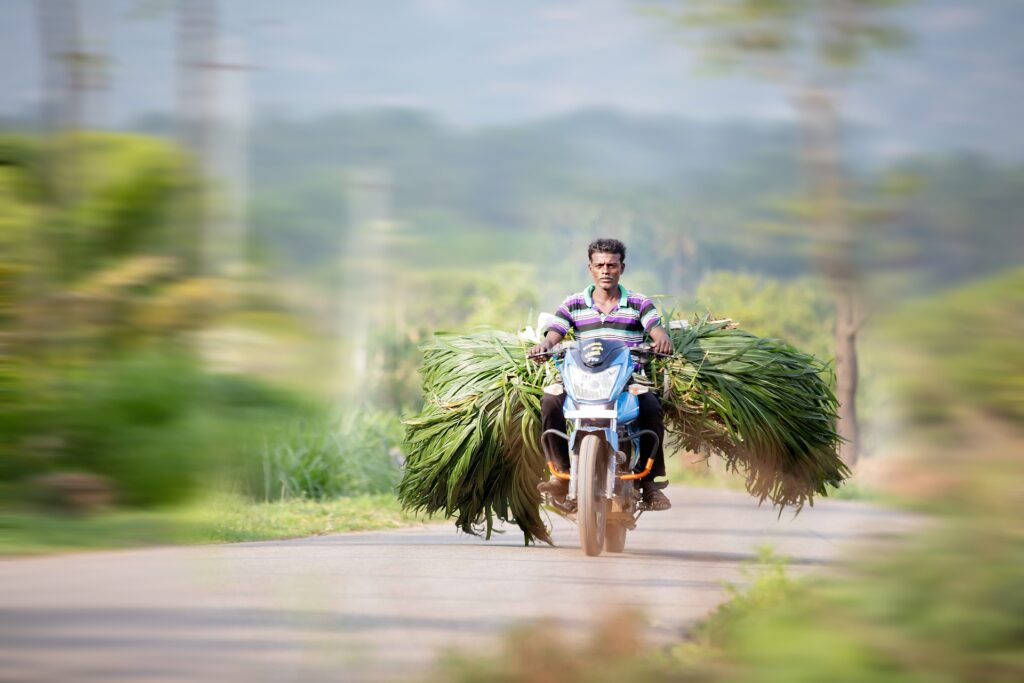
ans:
x=213 y=118
x=363 y=264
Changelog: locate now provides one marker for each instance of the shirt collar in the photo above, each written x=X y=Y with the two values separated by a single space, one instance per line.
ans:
x=588 y=295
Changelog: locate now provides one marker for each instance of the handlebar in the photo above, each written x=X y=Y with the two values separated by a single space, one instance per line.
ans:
x=644 y=349
x=557 y=349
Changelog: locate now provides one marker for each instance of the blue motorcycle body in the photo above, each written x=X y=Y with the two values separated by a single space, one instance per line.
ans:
x=595 y=375
x=601 y=405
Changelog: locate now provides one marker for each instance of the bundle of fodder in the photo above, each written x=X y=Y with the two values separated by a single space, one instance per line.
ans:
x=762 y=405
x=473 y=451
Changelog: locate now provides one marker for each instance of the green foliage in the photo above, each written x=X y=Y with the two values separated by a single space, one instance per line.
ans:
x=396 y=355
x=130 y=420
x=982 y=369
x=131 y=187
x=87 y=198
x=462 y=300
x=948 y=607
x=687 y=197
x=215 y=520
x=758 y=403
x=151 y=422
x=799 y=311
x=329 y=454
x=767 y=586
x=98 y=232
x=772 y=36
x=473 y=452
x=98 y=291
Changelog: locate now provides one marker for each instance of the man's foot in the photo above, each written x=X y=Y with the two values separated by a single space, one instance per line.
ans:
x=655 y=500
x=554 y=487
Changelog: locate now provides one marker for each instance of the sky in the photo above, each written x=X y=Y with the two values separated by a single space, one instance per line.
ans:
x=483 y=63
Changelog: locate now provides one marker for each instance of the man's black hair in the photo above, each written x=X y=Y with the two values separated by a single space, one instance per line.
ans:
x=607 y=246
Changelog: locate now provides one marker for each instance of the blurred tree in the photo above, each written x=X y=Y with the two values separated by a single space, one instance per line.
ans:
x=795 y=310
x=107 y=275
x=809 y=47
x=81 y=278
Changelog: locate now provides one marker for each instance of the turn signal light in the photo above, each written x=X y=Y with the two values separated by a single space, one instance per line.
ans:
x=554 y=389
x=637 y=389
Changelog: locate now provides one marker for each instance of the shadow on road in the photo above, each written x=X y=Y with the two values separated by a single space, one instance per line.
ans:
x=716 y=556
x=202 y=629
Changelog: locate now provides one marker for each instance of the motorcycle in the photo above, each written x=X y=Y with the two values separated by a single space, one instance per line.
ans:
x=601 y=407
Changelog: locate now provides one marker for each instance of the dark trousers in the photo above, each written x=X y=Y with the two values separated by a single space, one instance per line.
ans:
x=551 y=417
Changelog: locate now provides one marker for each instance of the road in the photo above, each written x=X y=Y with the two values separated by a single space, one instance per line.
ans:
x=380 y=606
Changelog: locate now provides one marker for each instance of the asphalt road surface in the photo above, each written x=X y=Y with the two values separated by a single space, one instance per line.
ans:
x=381 y=606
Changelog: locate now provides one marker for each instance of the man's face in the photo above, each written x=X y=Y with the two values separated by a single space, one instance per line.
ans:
x=606 y=269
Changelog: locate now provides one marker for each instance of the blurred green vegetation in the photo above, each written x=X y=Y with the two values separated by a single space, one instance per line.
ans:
x=943 y=605
x=330 y=454
x=965 y=349
x=688 y=197
x=113 y=394
x=214 y=519
x=799 y=311
x=123 y=356
x=947 y=607
x=152 y=422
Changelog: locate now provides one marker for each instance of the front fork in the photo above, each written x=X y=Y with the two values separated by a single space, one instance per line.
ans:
x=609 y=479
x=612 y=461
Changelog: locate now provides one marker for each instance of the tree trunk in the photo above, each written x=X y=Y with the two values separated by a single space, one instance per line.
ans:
x=834 y=247
x=846 y=376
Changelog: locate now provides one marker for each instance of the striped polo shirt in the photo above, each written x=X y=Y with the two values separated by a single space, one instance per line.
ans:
x=629 y=322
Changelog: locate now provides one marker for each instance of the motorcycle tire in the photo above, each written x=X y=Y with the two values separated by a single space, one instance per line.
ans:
x=592 y=504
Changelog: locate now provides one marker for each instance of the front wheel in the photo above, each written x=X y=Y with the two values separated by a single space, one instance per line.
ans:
x=592 y=504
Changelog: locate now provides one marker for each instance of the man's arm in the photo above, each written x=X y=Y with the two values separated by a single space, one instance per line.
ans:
x=649 y=318
x=550 y=339
x=660 y=341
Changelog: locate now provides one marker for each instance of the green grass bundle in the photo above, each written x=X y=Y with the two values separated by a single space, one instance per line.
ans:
x=760 y=404
x=473 y=452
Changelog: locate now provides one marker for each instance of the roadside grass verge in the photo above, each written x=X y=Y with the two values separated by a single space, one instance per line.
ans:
x=615 y=647
x=223 y=519
x=945 y=606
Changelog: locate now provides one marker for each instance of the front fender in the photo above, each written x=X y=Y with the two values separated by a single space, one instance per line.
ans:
x=607 y=433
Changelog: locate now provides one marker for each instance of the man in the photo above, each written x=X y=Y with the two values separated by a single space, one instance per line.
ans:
x=607 y=310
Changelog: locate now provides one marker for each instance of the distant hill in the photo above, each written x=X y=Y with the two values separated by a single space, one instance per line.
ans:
x=708 y=195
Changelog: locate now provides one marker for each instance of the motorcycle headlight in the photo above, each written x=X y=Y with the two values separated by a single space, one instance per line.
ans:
x=593 y=386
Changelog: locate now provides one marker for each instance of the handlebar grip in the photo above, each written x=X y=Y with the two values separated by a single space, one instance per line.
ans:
x=553 y=351
x=646 y=348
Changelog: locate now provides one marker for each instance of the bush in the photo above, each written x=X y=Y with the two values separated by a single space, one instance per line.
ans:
x=131 y=420
x=327 y=455
x=151 y=422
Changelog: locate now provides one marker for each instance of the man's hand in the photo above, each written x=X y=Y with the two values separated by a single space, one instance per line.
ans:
x=550 y=339
x=661 y=342
x=536 y=353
